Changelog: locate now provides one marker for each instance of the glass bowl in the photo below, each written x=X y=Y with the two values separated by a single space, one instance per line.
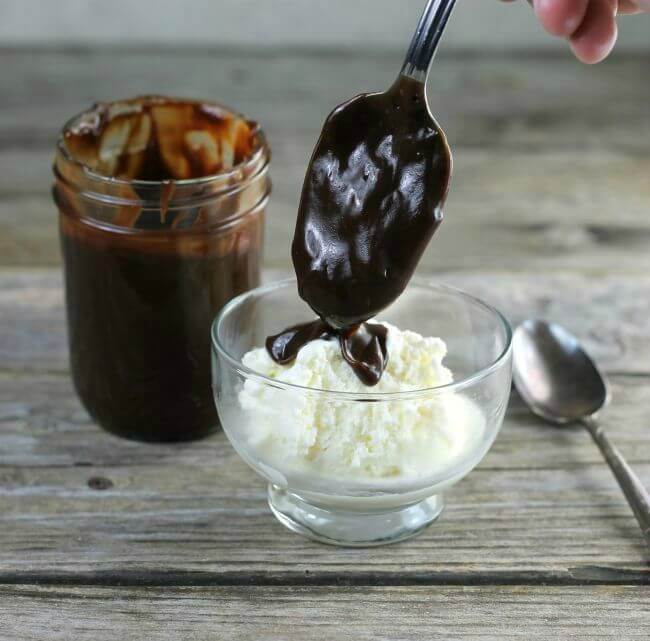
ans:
x=344 y=504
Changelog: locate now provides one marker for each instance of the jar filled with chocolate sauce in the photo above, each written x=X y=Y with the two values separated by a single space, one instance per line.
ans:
x=161 y=207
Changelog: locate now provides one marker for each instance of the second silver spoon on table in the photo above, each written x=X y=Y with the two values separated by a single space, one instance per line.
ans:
x=559 y=382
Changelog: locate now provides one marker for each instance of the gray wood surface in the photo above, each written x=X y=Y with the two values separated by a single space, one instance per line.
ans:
x=337 y=24
x=551 y=157
x=280 y=614
x=548 y=217
x=542 y=504
x=609 y=312
x=195 y=513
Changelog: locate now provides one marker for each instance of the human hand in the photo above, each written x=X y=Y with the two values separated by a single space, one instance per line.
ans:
x=588 y=25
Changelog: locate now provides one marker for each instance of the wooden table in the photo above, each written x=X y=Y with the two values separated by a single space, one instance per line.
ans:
x=103 y=538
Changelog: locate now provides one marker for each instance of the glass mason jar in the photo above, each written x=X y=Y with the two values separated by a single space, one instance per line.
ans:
x=161 y=209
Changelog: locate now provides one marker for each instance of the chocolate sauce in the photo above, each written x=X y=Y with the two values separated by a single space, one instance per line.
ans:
x=362 y=346
x=149 y=265
x=139 y=313
x=371 y=201
x=156 y=138
x=364 y=349
x=284 y=347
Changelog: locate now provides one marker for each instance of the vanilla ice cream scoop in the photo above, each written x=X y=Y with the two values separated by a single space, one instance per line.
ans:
x=403 y=439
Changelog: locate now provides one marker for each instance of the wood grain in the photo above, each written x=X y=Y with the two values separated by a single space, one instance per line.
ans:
x=282 y=614
x=291 y=23
x=609 y=313
x=43 y=425
x=548 y=217
x=50 y=450
x=551 y=159
x=542 y=502
x=508 y=210
x=528 y=100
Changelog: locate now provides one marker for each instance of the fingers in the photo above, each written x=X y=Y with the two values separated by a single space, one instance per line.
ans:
x=633 y=6
x=559 y=17
x=589 y=25
x=595 y=37
x=644 y=5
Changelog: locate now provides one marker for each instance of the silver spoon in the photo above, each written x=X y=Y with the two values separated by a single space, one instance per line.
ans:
x=425 y=41
x=374 y=191
x=559 y=382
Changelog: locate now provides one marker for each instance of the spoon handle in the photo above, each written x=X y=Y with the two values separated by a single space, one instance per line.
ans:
x=425 y=41
x=636 y=494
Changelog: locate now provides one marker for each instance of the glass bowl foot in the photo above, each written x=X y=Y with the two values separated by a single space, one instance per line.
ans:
x=352 y=529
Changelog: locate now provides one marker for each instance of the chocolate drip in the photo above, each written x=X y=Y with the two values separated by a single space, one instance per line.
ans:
x=364 y=349
x=284 y=347
x=363 y=346
x=371 y=201
x=154 y=138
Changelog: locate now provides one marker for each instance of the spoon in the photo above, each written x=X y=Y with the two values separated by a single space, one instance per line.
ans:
x=560 y=383
x=374 y=191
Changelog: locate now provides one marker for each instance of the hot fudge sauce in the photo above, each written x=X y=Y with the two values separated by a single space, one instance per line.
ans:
x=371 y=201
x=161 y=215
x=363 y=346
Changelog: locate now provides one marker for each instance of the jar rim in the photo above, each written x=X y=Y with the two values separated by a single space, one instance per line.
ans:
x=210 y=201
x=250 y=161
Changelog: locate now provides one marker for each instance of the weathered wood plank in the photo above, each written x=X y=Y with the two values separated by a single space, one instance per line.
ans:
x=551 y=158
x=554 y=211
x=381 y=23
x=610 y=313
x=541 y=502
x=545 y=156
x=486 y=100
x=477 y=614
x=42 y=424
x=544 y=526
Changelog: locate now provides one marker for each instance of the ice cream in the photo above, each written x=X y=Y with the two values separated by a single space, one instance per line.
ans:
x=336 y=437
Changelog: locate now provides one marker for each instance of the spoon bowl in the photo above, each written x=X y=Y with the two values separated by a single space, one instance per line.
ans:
x=553 y=374
x=374 y=191
x=371 y=202
x=558 y=380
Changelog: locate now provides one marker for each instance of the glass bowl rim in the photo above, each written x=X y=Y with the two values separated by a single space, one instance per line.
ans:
x=420 y=282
